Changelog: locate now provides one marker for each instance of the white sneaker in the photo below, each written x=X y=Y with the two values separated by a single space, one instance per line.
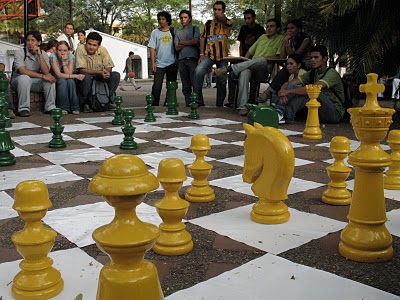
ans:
x=281 y=118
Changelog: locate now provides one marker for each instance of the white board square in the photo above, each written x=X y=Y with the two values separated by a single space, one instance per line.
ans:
x=106 y=141
x=200 y=130
x=76 y=156
x=6 y=203
x=37 y=139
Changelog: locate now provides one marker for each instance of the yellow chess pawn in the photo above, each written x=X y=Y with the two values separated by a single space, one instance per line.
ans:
x=200 y=191
x=313 y=130
x=123 y=181
x=37 y=279
x=392 y=179
x=173 y=239
x=366 y=238
x=337 y=192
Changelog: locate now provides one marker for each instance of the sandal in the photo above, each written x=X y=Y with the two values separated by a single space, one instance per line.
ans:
x=64 y=112
x=264 y=97
x=75 y=112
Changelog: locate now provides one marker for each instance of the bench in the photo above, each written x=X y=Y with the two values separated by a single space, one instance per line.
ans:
x=37 y=101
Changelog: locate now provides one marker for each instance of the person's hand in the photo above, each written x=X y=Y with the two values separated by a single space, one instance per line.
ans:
x=283 y=93
x=105 y=74
x=283 y=100
x=36 y=50
x=80 y=76
x=64 y=57
x=201 y=58
x=49 y=78
x=153 y=68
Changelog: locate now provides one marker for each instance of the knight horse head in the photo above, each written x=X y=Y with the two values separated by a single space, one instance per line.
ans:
x=268 y=161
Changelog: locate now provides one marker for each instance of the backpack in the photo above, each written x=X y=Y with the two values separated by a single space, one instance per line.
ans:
x=100 y=96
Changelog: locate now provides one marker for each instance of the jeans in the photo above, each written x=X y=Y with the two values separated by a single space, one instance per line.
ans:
x=279 y=80
x=327 y=112
x=171 y=72
x=186 y=70
x=67 y=97
x=24 y=84
x=85 y=87
x=202 y=70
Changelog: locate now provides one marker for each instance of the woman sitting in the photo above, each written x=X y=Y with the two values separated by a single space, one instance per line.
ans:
x=62 y=66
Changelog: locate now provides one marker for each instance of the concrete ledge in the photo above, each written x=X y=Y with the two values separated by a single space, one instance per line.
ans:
x=37 y=101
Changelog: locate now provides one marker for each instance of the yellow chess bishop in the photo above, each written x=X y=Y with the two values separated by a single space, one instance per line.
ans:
x=392 y=178
x=173 y=239
x=313 y=130
x=365 y=238
x=269 y=166
x=123 y=181
x=37 y=279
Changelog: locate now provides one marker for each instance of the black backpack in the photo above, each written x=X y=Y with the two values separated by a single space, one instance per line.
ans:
x=100 y=96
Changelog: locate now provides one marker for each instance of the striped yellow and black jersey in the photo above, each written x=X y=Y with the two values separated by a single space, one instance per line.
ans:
x=216 y=37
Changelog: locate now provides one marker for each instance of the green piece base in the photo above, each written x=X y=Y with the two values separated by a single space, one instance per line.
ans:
x=118 y=122
x=150 y=119
x=7 y=159
x=128 y=146
x=56 y=143
x=172 y=112
x=193 y=116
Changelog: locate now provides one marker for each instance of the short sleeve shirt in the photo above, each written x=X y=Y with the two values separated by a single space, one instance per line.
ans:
x=267 y=46
x=31 y=61
x=248 y=36
x=97 y=62
x=186 y=34
x=216 y=37
x=53 y=57
x=162 y=43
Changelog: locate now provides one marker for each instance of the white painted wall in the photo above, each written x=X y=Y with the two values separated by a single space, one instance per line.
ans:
x=8 y=59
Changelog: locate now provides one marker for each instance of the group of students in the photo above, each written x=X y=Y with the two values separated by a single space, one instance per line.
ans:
x=193 y=53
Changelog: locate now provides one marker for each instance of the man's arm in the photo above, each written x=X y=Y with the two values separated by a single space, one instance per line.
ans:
x=202 y=48
x=153 y=59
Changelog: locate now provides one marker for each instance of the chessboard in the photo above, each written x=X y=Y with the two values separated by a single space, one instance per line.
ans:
x=233 y=257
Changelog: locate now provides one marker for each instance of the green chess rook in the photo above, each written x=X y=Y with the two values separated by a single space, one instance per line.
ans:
x=128 y=130
x=149 y=109
x=118 y=118
x=193 y=106
x=4 y=98
x=172 y=102
x=57 y=129
x=6 y=157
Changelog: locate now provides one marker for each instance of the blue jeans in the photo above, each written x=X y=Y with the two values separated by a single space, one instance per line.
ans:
x=66 y=96
x=186 y=71
x=199 y=73
x=171 y=72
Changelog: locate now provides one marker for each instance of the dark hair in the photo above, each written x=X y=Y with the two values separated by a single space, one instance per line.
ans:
x=66 y=24
x=36 y=34
x=63 y=43
x=131 y=52
x=250 y=12
x=166 y=15
x=297 y=58
x=82 y=31
x=94 y=36
x=277 y=22
x=50 y=44
x=321 y=49
x=184 y=11
x=222 y=3
x=297 y=23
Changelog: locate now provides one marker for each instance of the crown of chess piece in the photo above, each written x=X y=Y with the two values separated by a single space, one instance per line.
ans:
x=172 y=102
x=392 y=179
x=4 y=98
x=269 y=166
x=128 y=130
x=149 y=109
x=200 y=190
x=6 y=144
x=118 y=113
x=123 y=181
x=337 y=192
x=366 y=238
x=173 y=239
x=57 y=129
x=37 y=278
x=193 y=106
x=313 y=130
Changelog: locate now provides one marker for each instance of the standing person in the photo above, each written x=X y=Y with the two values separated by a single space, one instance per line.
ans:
x=187 y=44
x=62 y=66
x=31 y=73
x=293 y=98
x=213 y=47
x=248 y=35
x=81 y=38
x=94 y=61
x=128 y=69
x=162 y=54
x=68 y=36
x=11 y=113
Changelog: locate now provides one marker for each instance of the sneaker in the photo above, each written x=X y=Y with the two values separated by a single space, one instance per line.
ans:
x=230 y=105
x=264 y=97
x=75 y=112
x=87 y=109
x=11 y=114
x=64 y=112
x=139 y=87
x=243 y=112
x=112 y=106
x=221 y=72
x=24 y=113
x=281 y=118
x=122 y=89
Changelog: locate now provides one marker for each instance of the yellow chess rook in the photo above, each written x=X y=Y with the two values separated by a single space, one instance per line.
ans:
x=337 y=192
x=313 y=130
x=269 y=166
x=392 y=179
x=173 y=239
x=123 y=181
x=200 y=190
x=37 y=279
x=365 y=238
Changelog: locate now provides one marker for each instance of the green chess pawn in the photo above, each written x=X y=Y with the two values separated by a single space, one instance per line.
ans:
x=6 y=157
x=149 y=109
x=57 y=140
x=4 y=98
x=193 y=106
x=172 y=102
x=118 y=118
x=128 y=143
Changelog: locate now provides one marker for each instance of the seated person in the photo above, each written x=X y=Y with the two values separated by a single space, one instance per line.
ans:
x=62 y=66
x=293 y=98
x=295 y=42
x=94 y=62
x=51 y=47
x=265 y=49
x=31 y=73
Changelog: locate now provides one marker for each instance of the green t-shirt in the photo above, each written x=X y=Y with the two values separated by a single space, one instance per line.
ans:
x=266 y=46
x=333 y=83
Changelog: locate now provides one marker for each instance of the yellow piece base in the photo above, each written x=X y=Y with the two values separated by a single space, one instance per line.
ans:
x=337 y=197
x=199 y=194
x=365 y=256
x=310 y=136
x=173 y=250
x=391 y=183
x=270 y=212
x=173 y=242
x=39 y=294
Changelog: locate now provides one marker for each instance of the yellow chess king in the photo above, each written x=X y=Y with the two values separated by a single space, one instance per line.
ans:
x=392 y=178
x=269 y=166
x=173 y=239
x=123 y=181
x=313 y=130
x=38 y=279
x=365 y=238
